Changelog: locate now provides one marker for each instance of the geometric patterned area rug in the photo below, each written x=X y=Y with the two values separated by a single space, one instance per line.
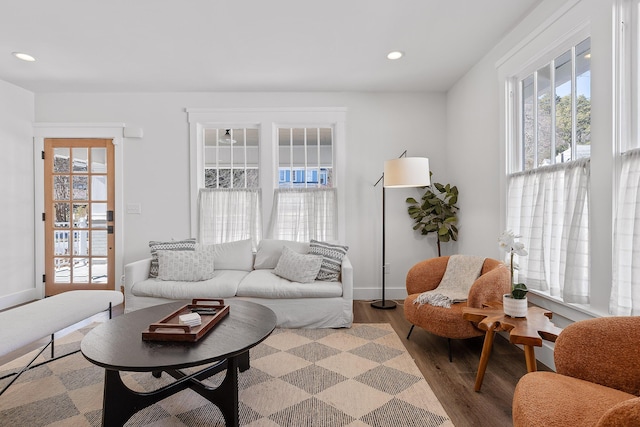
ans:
x=362 y=376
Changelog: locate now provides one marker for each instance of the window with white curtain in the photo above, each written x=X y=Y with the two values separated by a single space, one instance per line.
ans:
x=304 y=204
x=549 y=208
x=270 y=151
x=625 y=289
x=302 y=214
x=228 y=215
x=548 y=186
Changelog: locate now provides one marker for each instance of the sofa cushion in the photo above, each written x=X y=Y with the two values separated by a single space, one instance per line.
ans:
x=224 y=284
x=297 y=267
x=173 y=245
x=264 y=284
x=269 y=251
x=331 y=259
x=236 y=255
x=190 y=266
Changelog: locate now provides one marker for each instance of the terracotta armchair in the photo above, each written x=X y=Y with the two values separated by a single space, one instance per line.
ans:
x=494 y=281
x=597 y=378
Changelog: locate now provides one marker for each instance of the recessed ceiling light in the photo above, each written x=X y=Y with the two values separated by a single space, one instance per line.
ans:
x=24 y=56
x=396 y=54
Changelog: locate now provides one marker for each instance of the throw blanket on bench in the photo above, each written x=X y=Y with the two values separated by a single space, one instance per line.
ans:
x=461 y=272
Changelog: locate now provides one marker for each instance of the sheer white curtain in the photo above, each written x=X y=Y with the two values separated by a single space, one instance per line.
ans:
x=625 y=292
x=228 y=215
x=549 y=208
x=302 y=214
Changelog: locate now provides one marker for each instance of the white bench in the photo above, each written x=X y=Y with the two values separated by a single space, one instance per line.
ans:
x=26 y=324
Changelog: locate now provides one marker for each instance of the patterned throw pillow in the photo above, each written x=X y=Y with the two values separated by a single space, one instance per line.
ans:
x=188 y=266
x=174 y=245
x=302 y=268
x=331 y=259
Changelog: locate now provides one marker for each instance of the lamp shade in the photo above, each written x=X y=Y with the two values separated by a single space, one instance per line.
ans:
x=407 y=172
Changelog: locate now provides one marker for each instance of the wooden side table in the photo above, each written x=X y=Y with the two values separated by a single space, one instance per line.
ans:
x=528 y=331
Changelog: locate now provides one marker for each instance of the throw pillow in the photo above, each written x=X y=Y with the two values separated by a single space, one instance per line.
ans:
x=297 y=267
x=187 y=266
x=174 y=245
x=270 y=250
x=332 y=256
x=236 y=255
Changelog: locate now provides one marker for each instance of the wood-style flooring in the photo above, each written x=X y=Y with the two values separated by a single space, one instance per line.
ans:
x=452 y=382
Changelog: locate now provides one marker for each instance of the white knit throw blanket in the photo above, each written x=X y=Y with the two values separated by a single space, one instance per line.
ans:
x=461 y=272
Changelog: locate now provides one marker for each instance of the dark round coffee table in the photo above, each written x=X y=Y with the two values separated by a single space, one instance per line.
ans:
x=117 y=345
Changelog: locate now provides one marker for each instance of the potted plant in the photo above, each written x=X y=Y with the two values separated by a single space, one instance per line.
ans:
x=515 y=303
x=436 y=212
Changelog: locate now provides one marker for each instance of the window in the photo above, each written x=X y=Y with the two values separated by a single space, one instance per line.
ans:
x=548 y=187
x=231 y=158
x=556 y=110
x=625 y=289
x=281 y=153
x=305 y=157
x=305 y=205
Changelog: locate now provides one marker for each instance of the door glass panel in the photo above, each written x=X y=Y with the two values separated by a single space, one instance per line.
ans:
x=81 y=242
x=99 y=243
x=80 y=189
x=99 y=270
x=61 y=242
x=98 y=160
x=62 y=270
x=61 y=160
x=62 y=215
x=61 y=187
x=81 y=270
x=80 y=159
x=98 y=215
x=80 y=215
x=99 y=187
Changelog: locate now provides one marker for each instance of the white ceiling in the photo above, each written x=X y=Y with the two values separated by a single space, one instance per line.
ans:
x=248 y=45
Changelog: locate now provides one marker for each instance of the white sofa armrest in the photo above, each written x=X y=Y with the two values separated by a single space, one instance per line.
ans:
x=346 y=276
x=136 y=272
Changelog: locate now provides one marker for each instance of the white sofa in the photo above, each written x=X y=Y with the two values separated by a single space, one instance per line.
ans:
x=238 y=273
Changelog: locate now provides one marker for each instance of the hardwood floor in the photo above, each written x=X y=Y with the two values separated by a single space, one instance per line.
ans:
x=453 y=382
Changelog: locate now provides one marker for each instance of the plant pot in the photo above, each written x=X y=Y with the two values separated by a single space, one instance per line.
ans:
x=514 y=307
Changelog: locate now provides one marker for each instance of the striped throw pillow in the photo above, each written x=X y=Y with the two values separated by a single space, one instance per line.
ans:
x=331 y=259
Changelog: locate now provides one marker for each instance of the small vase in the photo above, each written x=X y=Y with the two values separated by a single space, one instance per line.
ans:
x=514 y=307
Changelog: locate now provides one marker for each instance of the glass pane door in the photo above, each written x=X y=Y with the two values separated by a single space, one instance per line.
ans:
x=79 y=232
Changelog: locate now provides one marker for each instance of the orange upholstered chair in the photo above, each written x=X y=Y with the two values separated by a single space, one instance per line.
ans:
x=597 y=378
x=494 y=281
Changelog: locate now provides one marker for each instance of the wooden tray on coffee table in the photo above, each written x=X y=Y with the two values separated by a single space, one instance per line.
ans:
x=170 y=329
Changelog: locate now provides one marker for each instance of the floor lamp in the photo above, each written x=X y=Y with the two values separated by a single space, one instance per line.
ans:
x=402 y=172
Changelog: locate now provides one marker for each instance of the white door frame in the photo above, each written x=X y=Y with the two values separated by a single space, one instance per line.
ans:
x=77 y=130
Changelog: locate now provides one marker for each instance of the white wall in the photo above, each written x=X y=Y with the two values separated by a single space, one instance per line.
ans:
x=16 y=192
x=379 y=127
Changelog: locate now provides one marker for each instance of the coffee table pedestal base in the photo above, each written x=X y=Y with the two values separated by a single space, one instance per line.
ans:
x=120 y=402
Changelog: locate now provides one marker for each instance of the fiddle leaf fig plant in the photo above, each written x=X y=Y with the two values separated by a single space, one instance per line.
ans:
x=436 y=212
